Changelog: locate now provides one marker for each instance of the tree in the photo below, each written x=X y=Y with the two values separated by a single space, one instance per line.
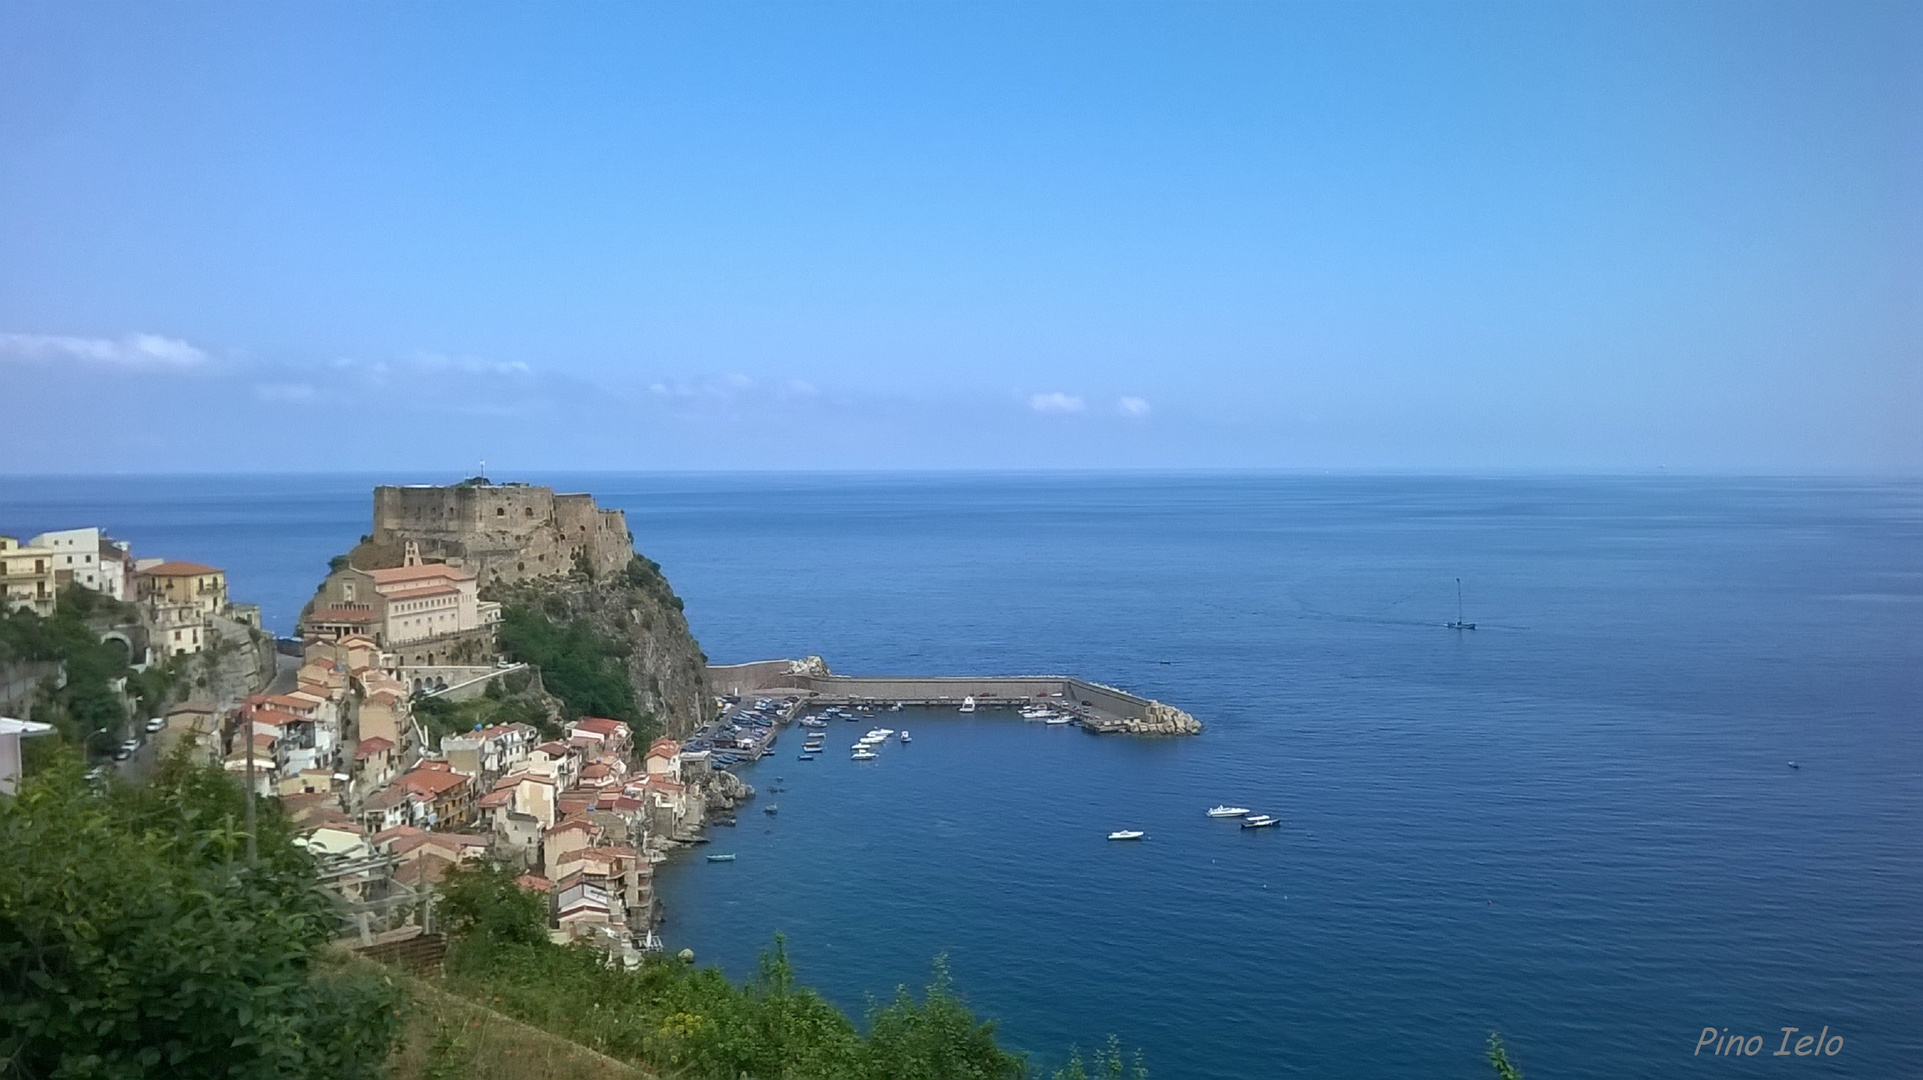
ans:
x=136 y=939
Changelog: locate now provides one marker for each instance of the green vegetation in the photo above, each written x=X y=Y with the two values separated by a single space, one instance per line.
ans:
x=692 y=1022
x=645 y=575
x=89 y=702
x=440 y=716
x=585 y=669
x=137 y=940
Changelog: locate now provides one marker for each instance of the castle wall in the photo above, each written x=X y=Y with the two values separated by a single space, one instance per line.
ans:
x=503 y=533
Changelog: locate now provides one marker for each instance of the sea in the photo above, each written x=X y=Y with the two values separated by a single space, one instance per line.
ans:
x=1578 y=824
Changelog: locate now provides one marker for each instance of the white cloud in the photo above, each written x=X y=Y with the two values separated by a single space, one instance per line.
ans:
x=1132 y=406
x=1056 y=403
x=149 y=351
x=284 y=393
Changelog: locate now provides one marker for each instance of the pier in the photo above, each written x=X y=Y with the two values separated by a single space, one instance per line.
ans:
x=1096 y=708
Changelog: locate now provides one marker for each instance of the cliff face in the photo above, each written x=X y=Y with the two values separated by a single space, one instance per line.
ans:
x=565 y=558
x=637 y=610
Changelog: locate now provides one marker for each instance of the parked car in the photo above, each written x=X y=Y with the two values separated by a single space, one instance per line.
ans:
x=130 y=745
x=156 y=724
x=123 y=752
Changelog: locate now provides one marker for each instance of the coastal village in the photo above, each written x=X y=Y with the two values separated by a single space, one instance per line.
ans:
x=334 y=729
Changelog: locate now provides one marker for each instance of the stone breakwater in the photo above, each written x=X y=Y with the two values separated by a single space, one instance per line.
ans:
x=1156 y=719
x=1097 y=708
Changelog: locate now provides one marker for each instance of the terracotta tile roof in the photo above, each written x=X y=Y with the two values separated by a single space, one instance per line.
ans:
x=367 y=748
x=570 y=825
x=401 y=575
x=179 y=569
x=663 y=748
x=497 y=798
x=600 y=726
x=397 y=832
x=534 y=883
x=431 y=783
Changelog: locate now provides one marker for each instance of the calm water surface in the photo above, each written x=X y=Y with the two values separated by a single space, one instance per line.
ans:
x=1576 y=824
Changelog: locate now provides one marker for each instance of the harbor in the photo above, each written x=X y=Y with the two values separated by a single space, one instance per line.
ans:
x=791 y=686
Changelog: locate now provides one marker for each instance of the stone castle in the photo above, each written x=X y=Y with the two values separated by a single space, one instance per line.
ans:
x=503 y=533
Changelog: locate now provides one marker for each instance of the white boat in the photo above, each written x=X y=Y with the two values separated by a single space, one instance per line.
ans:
x=1035 y=712
x=862 y=755
x=1261 y=821
x=968 y=704
x=1057 y=721
x=1125 y=834
x=1229 y=811
x=904 y=737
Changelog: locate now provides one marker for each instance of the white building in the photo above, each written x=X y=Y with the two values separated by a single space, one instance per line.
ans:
x=76 y=558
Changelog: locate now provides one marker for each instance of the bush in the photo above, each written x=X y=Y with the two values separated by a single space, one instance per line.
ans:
x=581 y=667
x=136 y=939
x=692 y=1021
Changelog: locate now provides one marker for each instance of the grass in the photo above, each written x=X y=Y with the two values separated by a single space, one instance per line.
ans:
x=448 y=1037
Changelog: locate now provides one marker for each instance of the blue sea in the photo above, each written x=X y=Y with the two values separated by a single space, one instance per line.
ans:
x=1576 y=824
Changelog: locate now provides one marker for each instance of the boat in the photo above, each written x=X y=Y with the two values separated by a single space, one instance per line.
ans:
x=904 y=737
x=1036 y=712
x=1459 y=624
x=1261 y=821
x=1058 y=721
x=1229 y=811
x=728 y=821
x=771 y=809
x=862 y=755
x=896 y=707
x=804 y=757
x=968 y=704
x=729 y=857
x=1125 y=834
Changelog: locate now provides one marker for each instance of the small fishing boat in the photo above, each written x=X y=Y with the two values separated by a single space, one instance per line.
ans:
x=862 y=755
x=896 y=707
x=771 y=809
x=968 y=704
x=1229 y=811
x=728 y=821
x=729 y=857
x=905 y=738
x=804 y=757
x=1058 y=721
x=1125 y=834
x=1261 y=821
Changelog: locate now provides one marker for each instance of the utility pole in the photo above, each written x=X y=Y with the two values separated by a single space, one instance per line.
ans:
x=251 y=854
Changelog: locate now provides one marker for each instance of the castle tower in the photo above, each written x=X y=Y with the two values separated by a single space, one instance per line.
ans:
x=411 y=554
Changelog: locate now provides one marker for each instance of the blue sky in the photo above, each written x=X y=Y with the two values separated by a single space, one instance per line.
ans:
x=1352 y=236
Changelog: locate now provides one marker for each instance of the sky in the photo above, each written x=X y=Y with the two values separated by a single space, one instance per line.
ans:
x=1352 y=236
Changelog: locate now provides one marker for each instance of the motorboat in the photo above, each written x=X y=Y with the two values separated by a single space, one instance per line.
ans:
x=905 y=738
x=729 y=857
x=863 y=755
x=804 y=757
x=1261 y=821
x=1125 y=834
x=771 y=809
x=968 y=704
x=1058 y=721
x=1229 y=811
x=1036 y=712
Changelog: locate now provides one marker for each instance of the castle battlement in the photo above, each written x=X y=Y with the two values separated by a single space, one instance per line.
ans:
x=502 y=532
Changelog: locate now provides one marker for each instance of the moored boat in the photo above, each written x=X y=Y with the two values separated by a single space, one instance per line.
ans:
x=722 y=858
x=968 y=704
x=1261 y=821
x=904 y=737
x=1125 y=834
x=1229 y=811
x=863 y=755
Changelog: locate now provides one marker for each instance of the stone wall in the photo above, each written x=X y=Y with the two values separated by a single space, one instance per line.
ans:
x=502 y=532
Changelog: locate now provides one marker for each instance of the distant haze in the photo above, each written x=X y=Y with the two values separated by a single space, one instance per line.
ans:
x=707 y=236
